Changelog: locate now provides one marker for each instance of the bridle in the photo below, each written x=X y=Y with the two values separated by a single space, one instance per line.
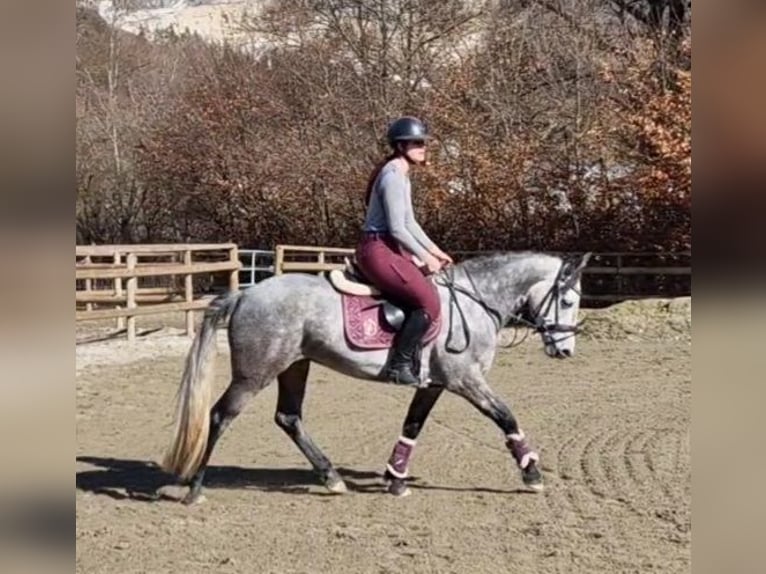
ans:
x=561 y=285
x=537 y=321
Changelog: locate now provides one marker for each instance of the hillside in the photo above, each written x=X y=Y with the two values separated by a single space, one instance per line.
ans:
x=212 y=20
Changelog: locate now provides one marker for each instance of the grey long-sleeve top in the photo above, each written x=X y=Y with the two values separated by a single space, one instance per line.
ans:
x=390 y=210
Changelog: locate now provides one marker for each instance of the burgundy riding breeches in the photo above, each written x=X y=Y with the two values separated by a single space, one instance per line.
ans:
x=385 y=264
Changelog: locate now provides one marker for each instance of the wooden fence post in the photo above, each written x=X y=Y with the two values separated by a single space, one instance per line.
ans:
x=88 y=284
x=131 y=303
x=618 y=271
x=234 y=275
x=279 y=257
x=118 y=290
x=189 y=294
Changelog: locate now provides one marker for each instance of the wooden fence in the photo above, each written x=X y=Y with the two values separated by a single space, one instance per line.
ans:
x=107 y=280
x=123 y=282
x=309 y=259
x=608 y=278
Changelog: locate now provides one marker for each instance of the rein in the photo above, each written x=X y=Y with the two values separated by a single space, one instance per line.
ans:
x=453 y=288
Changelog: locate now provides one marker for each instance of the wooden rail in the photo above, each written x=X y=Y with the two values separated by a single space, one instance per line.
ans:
x=118 y=269
x=319 y=258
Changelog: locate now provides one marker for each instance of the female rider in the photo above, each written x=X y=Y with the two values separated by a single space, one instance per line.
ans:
x=391 y=236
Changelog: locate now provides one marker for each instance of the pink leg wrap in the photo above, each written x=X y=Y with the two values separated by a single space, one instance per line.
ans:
x=399 y=460
x=520 y=449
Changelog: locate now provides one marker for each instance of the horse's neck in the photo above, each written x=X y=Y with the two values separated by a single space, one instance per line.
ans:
x=505 y=284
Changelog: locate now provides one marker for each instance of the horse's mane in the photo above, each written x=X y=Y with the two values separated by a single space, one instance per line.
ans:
x=490 y=261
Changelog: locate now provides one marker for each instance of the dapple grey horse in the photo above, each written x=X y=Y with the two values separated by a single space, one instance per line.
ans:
x=279 y=326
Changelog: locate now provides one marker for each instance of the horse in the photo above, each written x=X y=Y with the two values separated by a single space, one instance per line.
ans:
x=279 y=326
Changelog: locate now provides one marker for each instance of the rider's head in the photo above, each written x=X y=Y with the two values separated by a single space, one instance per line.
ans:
x=407 y=137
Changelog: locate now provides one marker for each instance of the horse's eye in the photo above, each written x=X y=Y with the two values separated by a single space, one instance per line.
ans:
x=566 y=303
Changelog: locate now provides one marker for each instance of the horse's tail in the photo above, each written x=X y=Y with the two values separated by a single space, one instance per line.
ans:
x=192 y=419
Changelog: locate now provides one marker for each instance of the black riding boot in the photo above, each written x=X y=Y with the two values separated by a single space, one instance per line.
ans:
x=406 y=346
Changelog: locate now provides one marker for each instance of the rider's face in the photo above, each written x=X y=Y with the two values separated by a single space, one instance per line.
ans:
x=416 y=150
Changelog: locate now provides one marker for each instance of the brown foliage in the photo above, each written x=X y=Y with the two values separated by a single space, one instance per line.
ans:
x=556 y=127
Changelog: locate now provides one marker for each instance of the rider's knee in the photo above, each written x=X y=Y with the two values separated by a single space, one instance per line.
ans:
x=433 y=310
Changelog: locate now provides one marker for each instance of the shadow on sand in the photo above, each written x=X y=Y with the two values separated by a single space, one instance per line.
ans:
x=142 y=480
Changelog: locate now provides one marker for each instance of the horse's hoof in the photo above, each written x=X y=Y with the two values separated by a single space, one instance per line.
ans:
x=193 y=498
x=398 y=487
x=336 y=486
x=532 y=478
x=536 y=487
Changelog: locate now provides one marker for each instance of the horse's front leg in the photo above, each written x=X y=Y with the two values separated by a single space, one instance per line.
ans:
x=476 y=391
x=397 y=467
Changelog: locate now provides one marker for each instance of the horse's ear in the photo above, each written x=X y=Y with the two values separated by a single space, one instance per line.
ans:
x=583 y=262
x=571 y=270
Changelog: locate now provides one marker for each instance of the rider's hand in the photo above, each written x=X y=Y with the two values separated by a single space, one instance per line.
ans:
x=432 y=263
x=443 y=257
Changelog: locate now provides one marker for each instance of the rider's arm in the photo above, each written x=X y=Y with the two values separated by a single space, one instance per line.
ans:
x=393 y=190
x=414 y=227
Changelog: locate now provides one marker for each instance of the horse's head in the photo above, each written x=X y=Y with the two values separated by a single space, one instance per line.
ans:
x=553 y=305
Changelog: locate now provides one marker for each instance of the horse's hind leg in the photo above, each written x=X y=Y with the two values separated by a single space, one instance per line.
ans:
x=398 y=463
x=292 y=389
x=225 y=410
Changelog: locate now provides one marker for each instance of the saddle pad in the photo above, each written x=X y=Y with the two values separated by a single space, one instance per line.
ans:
x=365 y=326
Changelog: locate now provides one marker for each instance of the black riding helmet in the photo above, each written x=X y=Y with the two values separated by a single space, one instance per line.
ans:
x=406 y=128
